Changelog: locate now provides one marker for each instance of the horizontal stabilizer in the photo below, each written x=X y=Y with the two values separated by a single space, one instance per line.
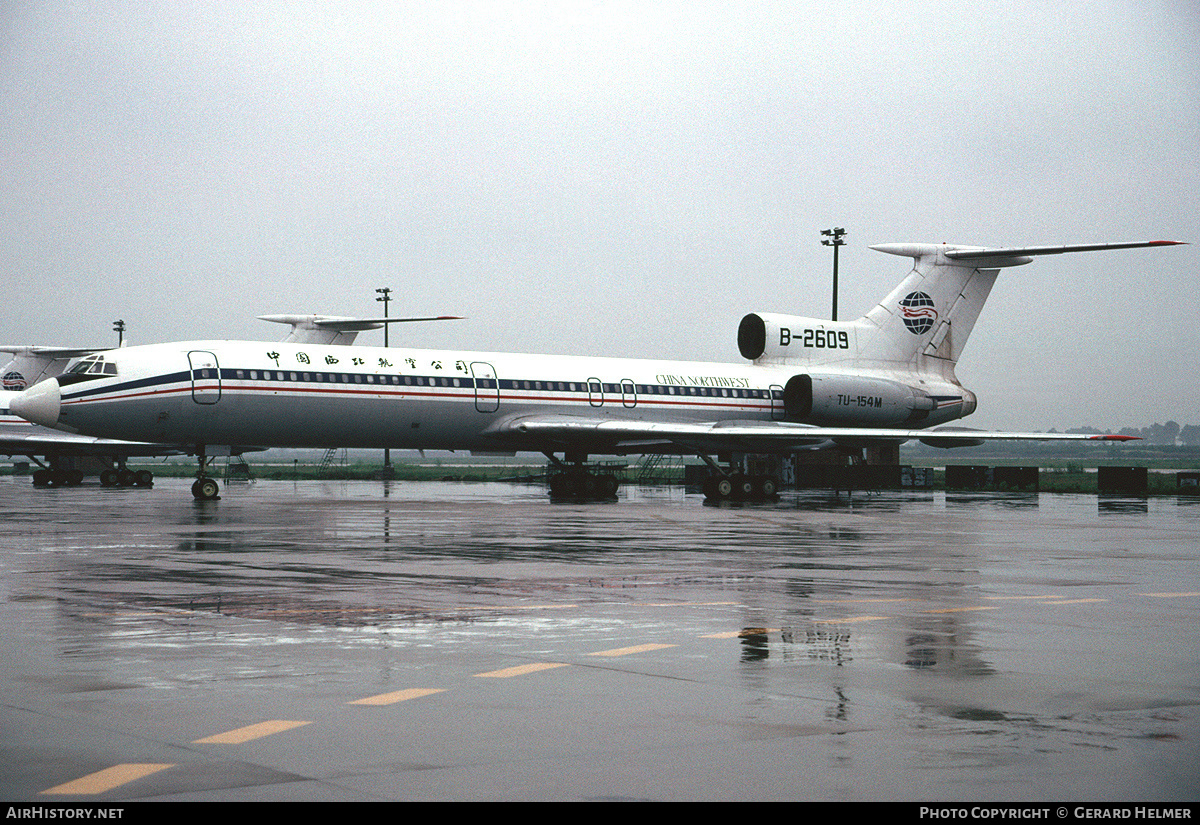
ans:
x=972 y=254
x=996 y=258
x=332 y=329
x=925 y=322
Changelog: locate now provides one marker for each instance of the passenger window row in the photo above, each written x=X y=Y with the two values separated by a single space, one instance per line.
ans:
x=503 y=384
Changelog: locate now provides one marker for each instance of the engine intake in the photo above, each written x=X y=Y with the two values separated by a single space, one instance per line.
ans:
x=752 y=337
x=781 y=338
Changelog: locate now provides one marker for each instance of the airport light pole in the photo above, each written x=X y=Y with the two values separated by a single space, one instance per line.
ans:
x=385 y=297
x=834 y=239
x=119 y=329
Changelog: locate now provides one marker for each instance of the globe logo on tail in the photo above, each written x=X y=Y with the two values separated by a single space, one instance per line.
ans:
x=14 y=381
x=918 y=312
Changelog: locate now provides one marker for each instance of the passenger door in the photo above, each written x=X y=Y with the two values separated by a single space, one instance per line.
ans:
x=487 y=387
x=206 y=377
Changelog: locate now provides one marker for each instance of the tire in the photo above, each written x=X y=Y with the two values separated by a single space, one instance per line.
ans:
x=743 y=487
x=206 y=489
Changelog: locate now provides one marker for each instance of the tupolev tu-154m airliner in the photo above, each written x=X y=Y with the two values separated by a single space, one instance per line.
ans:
x=808 y=384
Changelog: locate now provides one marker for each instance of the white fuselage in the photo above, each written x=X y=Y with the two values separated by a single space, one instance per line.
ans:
x=303 y=395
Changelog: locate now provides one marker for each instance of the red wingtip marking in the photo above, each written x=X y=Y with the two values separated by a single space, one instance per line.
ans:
x=1168 y=243
x=1116 y=438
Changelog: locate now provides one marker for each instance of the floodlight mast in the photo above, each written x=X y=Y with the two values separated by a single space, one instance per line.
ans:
x=385 y=297
x=834 y=239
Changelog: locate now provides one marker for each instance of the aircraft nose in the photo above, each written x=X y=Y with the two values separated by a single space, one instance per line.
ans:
x=40 y=403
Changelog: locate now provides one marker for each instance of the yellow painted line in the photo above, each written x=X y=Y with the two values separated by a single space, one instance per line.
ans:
x=687 y=604
x=107 y=779
x=478 y=608
x=746 y=631
x=1169 y=595
x=626 y=651
x=236 y=737
x=960 y=609
x=520 y=670
x=397 y=696
x=1013 y=598
x=850 y=621
x=1077 y=601
x=126 y=614
x=863 y=601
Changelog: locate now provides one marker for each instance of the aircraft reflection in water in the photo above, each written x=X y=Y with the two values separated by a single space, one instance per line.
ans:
x=810 y=384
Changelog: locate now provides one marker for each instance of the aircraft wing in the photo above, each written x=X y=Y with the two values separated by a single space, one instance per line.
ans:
x=631 y=436
x=52 y=443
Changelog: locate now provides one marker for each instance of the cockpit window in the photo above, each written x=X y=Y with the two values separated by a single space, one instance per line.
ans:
x=92 y=366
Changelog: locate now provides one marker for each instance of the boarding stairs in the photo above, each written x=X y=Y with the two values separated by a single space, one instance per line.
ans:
x=657 y=468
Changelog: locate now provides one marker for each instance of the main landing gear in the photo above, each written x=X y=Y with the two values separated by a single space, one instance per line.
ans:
x=741 y=487
x=205 y=487
x=62 y=474
x=55 y=477
x=574 y=482
x=726 y=485
x=124 y=477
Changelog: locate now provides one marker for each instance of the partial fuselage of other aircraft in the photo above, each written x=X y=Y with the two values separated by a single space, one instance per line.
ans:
x=65 y=459
x=810 y=384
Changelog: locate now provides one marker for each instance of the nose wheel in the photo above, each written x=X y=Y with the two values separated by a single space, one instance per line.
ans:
x=205 y=488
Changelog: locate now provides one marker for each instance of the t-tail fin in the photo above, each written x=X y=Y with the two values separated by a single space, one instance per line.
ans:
x=923 y=324
x=929 y=316
x=31 y=364
x=933 y=310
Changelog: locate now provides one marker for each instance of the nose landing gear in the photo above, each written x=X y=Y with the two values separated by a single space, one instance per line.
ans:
x=205 y=487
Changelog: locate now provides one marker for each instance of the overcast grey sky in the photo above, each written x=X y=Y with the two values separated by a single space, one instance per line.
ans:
x=616 y=178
